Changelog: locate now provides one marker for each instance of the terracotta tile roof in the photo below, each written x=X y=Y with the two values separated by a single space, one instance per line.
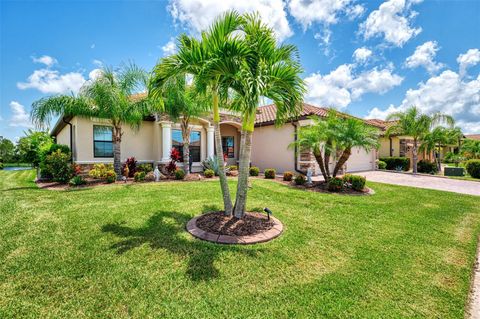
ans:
x=473 y=136
x=268 y=113
x=138 y=96
x=380 y=123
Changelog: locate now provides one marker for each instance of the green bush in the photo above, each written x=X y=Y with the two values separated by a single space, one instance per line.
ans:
x=254 y=171
x=1 y=165
x=270 y=173
x=382 y=165
x=99 y=171
x=233 y=168
x=347 y=178
x=146 y=168
x=58 y=165
x=110 y=176
x=300 y=179
x=427 y=167
x=396 y=162
x=287 y=176
x=335 y=184
x=139 y=176
x=209 y=173
x=473 y=167
x=179 y=174
x=358 y=182
x=77 y=181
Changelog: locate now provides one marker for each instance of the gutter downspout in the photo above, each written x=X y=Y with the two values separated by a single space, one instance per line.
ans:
x=296 y=149
x=71 y=139
x=391 y=145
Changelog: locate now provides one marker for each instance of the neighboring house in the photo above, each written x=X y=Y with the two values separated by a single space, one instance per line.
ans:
x=473 y=136
x=91 y=141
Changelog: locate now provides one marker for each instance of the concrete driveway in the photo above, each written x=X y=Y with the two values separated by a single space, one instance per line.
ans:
x=422 y=181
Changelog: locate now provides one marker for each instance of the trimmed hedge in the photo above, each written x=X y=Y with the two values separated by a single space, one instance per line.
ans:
x=254 y=171
x=270 y=173
x=287 y=176
x=473 y=168
x=382 y=165
x=209 y=173
x=394 y=162
x=300 y=179
x=335 y=184
x=426 y=167
x=179 y=174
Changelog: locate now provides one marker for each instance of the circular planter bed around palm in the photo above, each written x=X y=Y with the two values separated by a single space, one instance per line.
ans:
x=218 y=228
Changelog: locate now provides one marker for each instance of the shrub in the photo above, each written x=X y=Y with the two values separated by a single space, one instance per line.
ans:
x=110 y=176
x=99 y=171
x=394 y=162
x=211 y=163
x=424 y=166
x=270 y=173
x=179 y=174
x=129 y=168
x=347 y=178
x=233 y=168
x=139 y=176
x=473 y=168
x=145 y=167
x=358 y=182
x=254 y=171
x=1 y=165
x=58 y=164
x=77 y=169
x=335 y=184
x=77 y=181
x=174 y=158
x=382 y=165
x=300 y=179
x=209 y=173
x=287 y=176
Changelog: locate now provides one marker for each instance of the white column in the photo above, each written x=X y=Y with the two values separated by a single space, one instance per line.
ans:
x=166 y=141
x=210 y=142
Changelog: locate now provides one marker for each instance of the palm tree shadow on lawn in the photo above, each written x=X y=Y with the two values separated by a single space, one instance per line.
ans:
x=162 y=231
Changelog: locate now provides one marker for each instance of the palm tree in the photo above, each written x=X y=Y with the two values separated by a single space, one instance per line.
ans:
x=210 y=60
x=415 y=124
x=182 y=103
x=108 y=97
x=267 y=70
x=470 y=149
x=433 y=141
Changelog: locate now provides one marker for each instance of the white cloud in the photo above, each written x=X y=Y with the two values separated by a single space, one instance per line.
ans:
x=468 y=59
x=51 y=81
x=355 y=11
x=92 y=46
x=376 y=113
x=362 y=54
x=197 y=15
x=424 y=55
x=392 y=20
x=447 y=93
x=45 y=59
x=322 y=11
x=169 y=48
x=97 y=62
x=19 y=115
x=341 y=86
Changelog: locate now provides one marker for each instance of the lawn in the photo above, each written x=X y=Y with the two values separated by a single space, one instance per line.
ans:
x=121 y=251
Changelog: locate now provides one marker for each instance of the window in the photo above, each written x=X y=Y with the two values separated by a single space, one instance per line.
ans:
x=177 y=142
x=102 y=141
x=228 y=146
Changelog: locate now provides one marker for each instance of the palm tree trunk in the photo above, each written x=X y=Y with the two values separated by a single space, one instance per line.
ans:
x=318 y=157
x=117 y=162
x=415 y=156
x=328 y=144
x=342 y=160
x=186 y=146
x=242 y=185
x=227 y=201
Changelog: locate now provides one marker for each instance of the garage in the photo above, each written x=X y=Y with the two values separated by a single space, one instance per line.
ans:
x=360 y=160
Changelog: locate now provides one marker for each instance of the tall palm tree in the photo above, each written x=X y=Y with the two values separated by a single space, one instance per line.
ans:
x=211 y=59
x=108 y=97
x=433 y=141
x=182 y=103
x=267 y=70
x=415 y=124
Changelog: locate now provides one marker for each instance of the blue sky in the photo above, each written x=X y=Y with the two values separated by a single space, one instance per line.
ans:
x=367 y=58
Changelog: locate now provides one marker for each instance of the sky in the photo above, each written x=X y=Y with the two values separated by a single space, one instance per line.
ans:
x=368 y=58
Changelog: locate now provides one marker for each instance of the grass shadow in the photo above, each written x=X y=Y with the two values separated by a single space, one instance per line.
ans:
x=166 y=230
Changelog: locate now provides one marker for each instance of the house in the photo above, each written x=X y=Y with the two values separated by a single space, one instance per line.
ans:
x=473 y=136
x=91 y=141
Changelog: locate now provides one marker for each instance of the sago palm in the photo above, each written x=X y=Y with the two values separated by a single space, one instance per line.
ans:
x=415 y=124
x=107 y=97
x=210 y=60
x=267 y=70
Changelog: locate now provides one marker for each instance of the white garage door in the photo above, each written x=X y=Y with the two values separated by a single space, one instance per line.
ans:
x=360 y=160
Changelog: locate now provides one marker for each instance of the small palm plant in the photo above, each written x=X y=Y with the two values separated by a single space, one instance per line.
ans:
x=110 y=97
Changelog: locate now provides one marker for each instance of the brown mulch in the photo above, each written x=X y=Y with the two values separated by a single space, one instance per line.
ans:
x=250 y=224
x=321 y=187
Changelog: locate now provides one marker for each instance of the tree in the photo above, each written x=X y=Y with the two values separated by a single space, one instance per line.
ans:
x=433 y=141
x=109 y=96
x=7 y=150
x=415 y=124
x=267 y=70
x=182 y=103
x=30 y=145
x=336 y=135
x=211 y=60
x=470 y=149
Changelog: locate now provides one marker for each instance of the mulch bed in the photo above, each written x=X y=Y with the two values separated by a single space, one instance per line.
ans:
x=219 y=224
x=321 y=187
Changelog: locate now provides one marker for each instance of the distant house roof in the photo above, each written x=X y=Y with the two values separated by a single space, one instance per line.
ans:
x=380 y=123
x=473 y=136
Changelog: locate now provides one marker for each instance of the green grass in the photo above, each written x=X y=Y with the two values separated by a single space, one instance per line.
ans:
x=17 y=165
x=121 y=251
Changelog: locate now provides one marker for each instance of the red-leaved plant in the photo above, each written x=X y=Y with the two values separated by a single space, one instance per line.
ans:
x=131 y=163
x=174 y=158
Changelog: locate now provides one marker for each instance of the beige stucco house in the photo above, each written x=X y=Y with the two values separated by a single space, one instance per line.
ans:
x=91 y=141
